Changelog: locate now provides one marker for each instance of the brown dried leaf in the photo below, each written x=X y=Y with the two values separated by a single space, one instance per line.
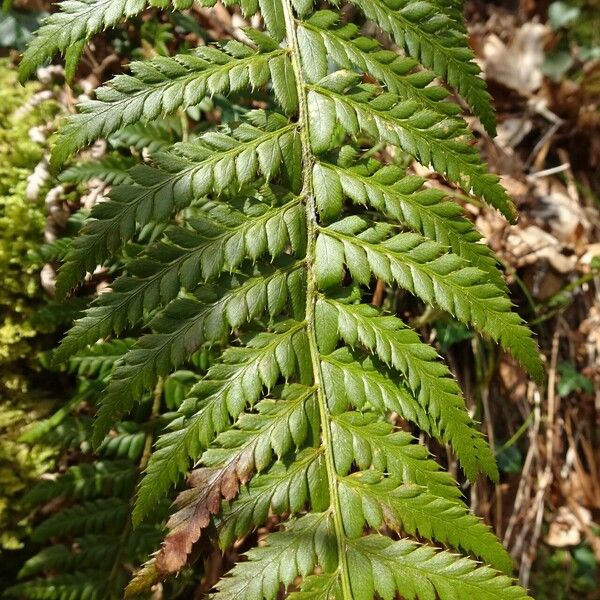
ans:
x=518 y=64
x=197 y=505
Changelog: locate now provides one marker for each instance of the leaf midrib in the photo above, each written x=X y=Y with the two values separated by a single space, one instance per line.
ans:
x=308 y=161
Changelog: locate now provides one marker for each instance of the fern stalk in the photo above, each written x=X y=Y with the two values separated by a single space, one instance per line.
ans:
x=312 y=292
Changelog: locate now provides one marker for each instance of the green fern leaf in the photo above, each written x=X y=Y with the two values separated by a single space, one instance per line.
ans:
x=367 y=498
x=80 y=586
x=181 y=176
x=86 y=481
x=425 y=269
x=278 y=427
x=158 y=88
x=420 y=571
x=88 y=517
x=438 y=44
x=349 y=50
x=402 y=199
x=267 y=234
x=282 y=489
x=370 y=442
x=432 y=138
x=112 y=170
x=430 y=381
x=307 y=542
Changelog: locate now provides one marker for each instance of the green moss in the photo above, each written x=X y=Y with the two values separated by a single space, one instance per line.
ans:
x=22 y=223
x=21 y=219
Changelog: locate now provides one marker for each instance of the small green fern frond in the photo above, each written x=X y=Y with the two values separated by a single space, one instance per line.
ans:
x=368 y=441
x=433 y=139
x=189 y=172
x=128 y=442
x=92 y=551
x=99 y=360
x=95 y=516
x=424 y=268
x=112 y=170
x=343 y=45
x=86 y=481
x=385 y=189
x=49 y=558
x=89 y=531
x=419 y=571
x=307 y=542
x=70 y=432
x=86 y=585
x=152 y=137
x=369 y=499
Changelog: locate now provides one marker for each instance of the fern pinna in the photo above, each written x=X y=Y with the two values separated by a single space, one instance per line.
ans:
x=275 y=227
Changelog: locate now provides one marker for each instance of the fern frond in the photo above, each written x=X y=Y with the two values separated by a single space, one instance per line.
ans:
x=433 y=139
x=424 y=268
x=419 y=571
x=266 y=234
x=88 y=517
x=152 y=137
x=368 y=442
x=279 y=426
x=189 y=172
x=99 y=360
x=70 y=432
x=95 y=551
x=80 y=586
x=87 y=480
x=112 y=170
x=307 y=542
x=49 y=558
x=434 y=388
x=128 y=442
x=368 y=499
